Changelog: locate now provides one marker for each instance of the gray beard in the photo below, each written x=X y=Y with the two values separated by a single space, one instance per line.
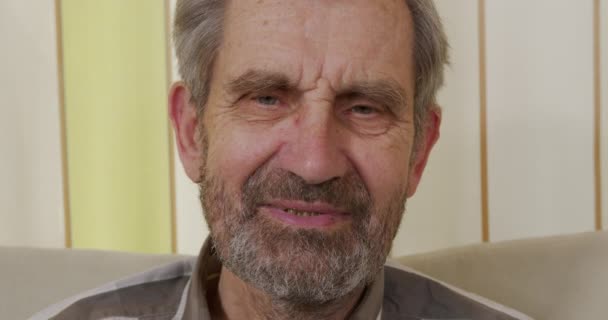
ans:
x=299 y=268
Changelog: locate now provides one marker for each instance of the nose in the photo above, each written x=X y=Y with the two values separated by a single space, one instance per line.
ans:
x=315 y=149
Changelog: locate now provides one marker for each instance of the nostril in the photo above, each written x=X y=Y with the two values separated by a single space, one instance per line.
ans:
x=319 y=179
x=317 y=172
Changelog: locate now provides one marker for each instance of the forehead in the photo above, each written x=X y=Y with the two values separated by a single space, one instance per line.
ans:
x=341 y=41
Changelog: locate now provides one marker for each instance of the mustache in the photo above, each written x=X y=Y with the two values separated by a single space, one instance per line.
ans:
x=347 y=192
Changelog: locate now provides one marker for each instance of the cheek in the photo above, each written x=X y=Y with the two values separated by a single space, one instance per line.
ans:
x=235 y=153
x=384 y=169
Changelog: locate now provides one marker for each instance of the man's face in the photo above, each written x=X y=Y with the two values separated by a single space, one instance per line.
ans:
x=307 y=143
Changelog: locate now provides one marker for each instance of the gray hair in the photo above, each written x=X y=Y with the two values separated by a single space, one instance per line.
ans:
x=198 y=34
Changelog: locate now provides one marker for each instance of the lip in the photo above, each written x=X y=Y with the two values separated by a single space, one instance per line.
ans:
x=318 y=207
x=328 y=214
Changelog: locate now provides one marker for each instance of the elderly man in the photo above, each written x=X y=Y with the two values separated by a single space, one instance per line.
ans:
x=307 y=125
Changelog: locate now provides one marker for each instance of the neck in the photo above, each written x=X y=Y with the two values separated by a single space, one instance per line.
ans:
x=236 y=299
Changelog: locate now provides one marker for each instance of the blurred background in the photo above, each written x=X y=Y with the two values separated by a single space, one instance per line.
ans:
x=88 y=159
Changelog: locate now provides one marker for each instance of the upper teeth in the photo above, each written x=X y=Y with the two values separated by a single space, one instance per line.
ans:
x=301 y=213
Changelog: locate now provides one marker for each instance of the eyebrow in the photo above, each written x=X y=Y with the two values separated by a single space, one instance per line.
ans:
x=259 y=81
x=384 y=91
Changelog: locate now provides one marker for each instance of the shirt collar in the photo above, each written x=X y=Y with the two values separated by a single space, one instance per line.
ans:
x=208 y=267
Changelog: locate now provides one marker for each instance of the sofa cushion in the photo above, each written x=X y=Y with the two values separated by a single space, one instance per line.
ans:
x=32 y=279
x=557 y=278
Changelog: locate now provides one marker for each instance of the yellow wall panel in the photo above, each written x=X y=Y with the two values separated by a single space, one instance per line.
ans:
x=117 y=132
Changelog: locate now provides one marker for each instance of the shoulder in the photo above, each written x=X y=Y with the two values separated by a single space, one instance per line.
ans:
x=408 y=293
x=157 y=292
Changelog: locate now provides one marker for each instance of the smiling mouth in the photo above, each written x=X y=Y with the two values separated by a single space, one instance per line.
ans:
x=304 y=214
x=300 y=213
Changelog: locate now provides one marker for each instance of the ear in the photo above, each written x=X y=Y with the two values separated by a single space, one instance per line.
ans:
x=187 y=130
x=429 y=137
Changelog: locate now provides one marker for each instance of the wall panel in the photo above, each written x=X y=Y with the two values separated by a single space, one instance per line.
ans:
x=191 y=227
x=540 y=117
x=31 y=198
x=604 y=110
x=117 y=132
x=446 y=209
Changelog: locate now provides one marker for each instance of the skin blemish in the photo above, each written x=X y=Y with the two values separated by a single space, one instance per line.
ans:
x=296 y=119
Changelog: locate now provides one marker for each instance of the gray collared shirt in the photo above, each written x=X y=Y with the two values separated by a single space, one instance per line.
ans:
x=178 y=292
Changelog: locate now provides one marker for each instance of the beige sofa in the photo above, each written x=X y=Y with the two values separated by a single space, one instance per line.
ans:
x=555 y=278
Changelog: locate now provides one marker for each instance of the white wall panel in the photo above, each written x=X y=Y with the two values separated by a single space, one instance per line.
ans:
x=446 y=210
x=31 y=198
x=540 y=117
x=191 y=227
x=604 y=88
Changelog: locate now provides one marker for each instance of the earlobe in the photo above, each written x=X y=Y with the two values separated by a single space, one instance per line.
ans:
x=429 y=137
x=184 y=118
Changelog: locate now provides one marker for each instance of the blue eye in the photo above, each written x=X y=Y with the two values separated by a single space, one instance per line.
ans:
x=267 y=100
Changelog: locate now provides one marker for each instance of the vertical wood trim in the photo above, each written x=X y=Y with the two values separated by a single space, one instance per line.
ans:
x=597 y=112
x=169 y=72
x=483 y=137
x=67 y=217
